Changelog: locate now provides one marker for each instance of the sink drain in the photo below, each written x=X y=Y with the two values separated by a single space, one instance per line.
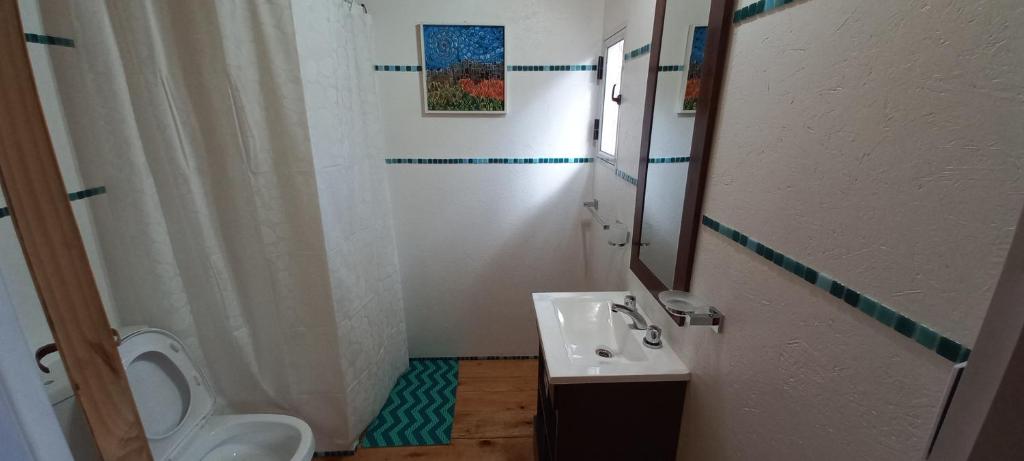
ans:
x=602 y=352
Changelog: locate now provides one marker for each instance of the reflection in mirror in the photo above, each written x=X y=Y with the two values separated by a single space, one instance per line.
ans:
x=679 y=67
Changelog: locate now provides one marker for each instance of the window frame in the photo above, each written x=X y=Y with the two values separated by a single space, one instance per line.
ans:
x=606 y=44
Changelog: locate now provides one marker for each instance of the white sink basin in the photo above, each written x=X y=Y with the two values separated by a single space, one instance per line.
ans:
x=584 y=341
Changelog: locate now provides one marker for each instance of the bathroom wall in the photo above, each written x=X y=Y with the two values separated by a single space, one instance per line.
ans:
x=13 y=270
x=867 y=140
x=474 y=241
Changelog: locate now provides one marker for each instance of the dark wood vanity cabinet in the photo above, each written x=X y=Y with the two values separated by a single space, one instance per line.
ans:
x=607 y=421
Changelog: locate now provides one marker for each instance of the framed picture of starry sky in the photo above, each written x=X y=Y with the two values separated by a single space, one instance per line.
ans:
x=463 y=69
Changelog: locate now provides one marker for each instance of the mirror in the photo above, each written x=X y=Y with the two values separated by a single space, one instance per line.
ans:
x=682 y=88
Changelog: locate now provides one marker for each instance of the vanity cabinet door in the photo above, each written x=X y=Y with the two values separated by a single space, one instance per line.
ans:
x=607 y=421
x=545 y=421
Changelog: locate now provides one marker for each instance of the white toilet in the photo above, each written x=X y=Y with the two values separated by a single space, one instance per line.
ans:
x=176 y=404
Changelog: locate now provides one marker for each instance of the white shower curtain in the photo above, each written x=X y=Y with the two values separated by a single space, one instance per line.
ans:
x=247 y=209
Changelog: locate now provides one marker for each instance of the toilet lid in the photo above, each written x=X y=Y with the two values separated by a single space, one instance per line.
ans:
x=172 y=395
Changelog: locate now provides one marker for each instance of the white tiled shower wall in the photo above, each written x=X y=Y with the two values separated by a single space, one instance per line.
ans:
x=474 y=241
x=864 y=150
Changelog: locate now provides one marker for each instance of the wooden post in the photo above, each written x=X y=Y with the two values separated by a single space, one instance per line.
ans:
x=56 y=256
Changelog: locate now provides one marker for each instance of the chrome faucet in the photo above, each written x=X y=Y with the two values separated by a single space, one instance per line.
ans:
x=629 y=308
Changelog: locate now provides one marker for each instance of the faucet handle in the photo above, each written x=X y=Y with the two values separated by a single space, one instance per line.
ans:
x=630 y=302
x=652 y=338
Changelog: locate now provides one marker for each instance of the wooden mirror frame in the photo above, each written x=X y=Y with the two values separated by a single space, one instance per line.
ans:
x=715 y=54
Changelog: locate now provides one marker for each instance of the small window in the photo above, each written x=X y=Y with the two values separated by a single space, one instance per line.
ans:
x=614 y=52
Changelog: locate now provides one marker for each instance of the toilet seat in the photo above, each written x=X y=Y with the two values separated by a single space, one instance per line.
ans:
x=173 y=397
x=258 y=437
x=175 y=403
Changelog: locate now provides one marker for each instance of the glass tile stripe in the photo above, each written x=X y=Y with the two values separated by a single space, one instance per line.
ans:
x=396 y=68
x=319 y=454
x=633 y=54
x=483 y=357
x=552 y=68
x=672 y=68
x=49 y=40
x=916 y=331
x=487 y=160
x=669 y=160
x=758 y=8
x=510 y=68
x=84 y=193
x=626 y=176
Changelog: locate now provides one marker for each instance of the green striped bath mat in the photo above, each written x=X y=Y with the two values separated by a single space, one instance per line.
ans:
x=420 y=408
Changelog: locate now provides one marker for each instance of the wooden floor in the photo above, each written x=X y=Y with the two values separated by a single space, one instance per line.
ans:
x=494 y=407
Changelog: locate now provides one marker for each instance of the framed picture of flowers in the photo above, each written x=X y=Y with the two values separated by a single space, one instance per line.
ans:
x=463 y=69
x=690 y=91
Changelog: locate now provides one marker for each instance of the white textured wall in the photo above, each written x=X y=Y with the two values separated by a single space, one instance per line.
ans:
x=873 y=141
x=475 y=241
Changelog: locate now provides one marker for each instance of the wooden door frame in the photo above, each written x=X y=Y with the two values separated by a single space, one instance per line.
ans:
x=984 y=418
x=56 y=256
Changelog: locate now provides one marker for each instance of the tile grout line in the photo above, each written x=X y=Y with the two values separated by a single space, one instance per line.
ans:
x=919 y=332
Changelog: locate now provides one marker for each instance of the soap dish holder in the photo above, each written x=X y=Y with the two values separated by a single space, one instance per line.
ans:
x=685 y=309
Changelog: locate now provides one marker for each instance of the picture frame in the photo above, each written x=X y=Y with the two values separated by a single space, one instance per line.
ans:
x=689 y=89
x=463 y=69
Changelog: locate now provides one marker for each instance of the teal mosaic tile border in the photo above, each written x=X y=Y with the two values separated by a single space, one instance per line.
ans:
x=332 y=453
x=758 y=8
x=510 y=68
x=672 y=68
x=637 y=52
x=396 y=68
x=553 y=68
x=483 y=357
x=49 y=40
x=920 y=333
x=669 y=160
x=85 y=193
x=487 y=160
x=626 y=177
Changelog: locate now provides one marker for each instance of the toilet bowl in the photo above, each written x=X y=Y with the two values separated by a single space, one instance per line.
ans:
x=176 y=405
